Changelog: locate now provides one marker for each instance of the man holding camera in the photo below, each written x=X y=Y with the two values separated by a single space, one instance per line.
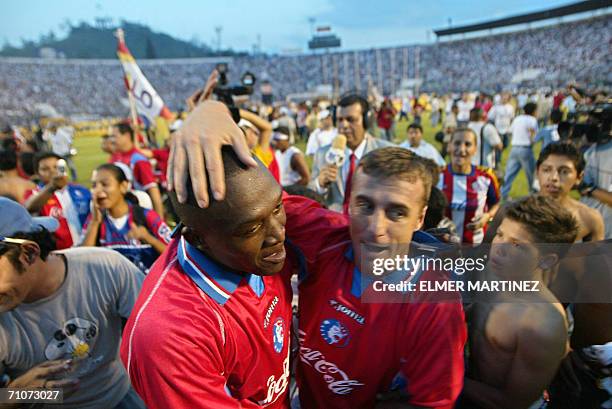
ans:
x=56 y=197
x=596 y=188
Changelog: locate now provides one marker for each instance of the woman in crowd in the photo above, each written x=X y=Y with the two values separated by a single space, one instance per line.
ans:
x=472 y=191
x=117 y=221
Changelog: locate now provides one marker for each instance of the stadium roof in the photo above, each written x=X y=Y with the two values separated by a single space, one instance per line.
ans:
x=579 y=7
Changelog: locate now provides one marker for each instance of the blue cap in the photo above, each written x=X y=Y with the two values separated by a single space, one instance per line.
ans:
x=15 y=218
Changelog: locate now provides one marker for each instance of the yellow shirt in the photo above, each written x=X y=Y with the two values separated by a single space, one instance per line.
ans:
x=264 y=155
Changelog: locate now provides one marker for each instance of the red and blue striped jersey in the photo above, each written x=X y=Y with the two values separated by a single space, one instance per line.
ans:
x=469 y=196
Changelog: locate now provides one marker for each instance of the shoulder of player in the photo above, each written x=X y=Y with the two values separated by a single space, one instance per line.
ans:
x=587 y=214
x=485 y=171
x=538 y=322
x=167 y=306
x=96 y=257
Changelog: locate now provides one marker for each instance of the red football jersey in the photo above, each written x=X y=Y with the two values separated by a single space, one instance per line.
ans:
x=204 y=337
x=349 y=350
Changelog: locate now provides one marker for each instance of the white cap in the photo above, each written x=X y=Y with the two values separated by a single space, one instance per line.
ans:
x=324 y=114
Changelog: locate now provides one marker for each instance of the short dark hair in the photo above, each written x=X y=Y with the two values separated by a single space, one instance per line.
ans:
x=9 y=144
x=563 y=149
x=352 y=99
x=555 y=116
x=27 y=162
x=395 y=162
x=40 y=156
x=465 y=129
x=120 y=177
x=475 y=114
x=232 y=166
x=530 y=108
x=8 y=159
x=124 y=127
x=44 y=238
x=544 y=218
x=415 y=126
x=435 y=209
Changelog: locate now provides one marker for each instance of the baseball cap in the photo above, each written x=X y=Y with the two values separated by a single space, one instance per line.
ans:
x=324 y=114
x=15 y=218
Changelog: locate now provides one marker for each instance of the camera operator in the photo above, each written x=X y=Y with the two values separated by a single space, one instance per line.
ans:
x=596 y=187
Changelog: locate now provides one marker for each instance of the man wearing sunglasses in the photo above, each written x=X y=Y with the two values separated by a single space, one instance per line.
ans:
x=61 y=314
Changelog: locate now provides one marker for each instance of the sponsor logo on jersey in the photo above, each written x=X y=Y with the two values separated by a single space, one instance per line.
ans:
x=278 y=334
x=338 y=306
x=334 y=333
x=270 y=311
x=337 y=380
x=277 y=387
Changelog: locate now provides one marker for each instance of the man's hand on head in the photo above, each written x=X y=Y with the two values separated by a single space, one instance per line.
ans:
x=195 y=150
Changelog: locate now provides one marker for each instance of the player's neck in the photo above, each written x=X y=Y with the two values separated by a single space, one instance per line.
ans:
x=462 y=169
x=565 y=200
x=48 y=277
x=120 y=210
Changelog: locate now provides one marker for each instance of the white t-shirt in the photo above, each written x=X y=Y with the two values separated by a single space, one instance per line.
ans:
x=288 y=176
x=522 y=128
x=502 y=115
x=464 y=110
x=61 y=140
x=425 y=150
x=320 y=138
x=491 y=139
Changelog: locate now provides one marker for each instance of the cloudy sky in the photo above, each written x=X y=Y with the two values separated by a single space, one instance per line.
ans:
x=282 y=25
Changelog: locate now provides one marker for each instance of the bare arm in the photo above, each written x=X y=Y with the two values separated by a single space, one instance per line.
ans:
x=158 y=206
x=35 y=203
x=265 y=127
x=298 y=163
x=597 y=229
x=603 y=196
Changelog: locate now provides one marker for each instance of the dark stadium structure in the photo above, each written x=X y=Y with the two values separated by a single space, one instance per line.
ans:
x=575 y=8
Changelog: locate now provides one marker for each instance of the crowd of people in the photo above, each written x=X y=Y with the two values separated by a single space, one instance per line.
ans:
x=573 y=51
x=224 y=267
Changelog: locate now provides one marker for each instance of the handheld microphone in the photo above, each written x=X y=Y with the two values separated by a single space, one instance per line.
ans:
x=335 y=155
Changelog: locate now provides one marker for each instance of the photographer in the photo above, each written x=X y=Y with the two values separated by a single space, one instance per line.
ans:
x=56 y=197
x=596 y=186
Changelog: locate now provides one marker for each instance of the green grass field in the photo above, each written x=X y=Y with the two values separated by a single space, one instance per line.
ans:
x=90 y=155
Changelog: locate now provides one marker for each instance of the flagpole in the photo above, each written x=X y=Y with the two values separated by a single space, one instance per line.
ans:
x=120 y=34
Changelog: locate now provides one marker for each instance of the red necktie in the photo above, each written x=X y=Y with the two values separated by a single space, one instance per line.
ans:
x=347 y=187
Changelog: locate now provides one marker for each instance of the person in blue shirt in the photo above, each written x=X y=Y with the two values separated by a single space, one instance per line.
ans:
x=550 y=133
